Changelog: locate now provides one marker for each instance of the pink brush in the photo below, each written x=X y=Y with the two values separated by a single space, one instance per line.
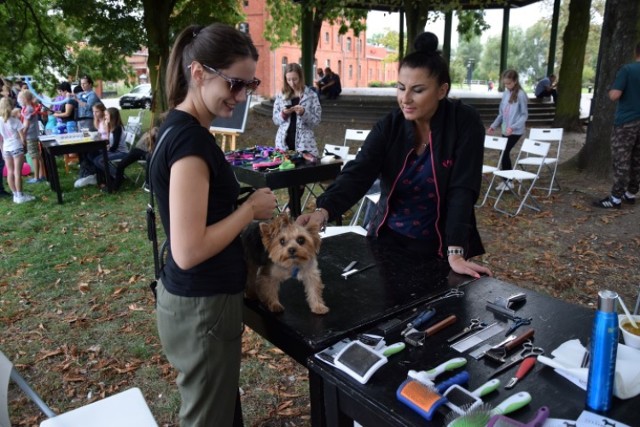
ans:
x=504 y=421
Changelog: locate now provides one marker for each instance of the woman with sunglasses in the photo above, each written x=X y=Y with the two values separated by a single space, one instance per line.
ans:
x=200 y=289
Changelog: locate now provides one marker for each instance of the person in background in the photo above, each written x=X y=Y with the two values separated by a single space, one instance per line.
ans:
x=512 y=117
x=31 y=131
x=428 y=155
x=117 y=148
x=99 y=111
x=13 y=148
x=319 y=80
x=296 y=111
x=625 y=137
x=68 y=110
x=331 y=86
x=200 y=289
x=142 y=151
x=86 y=100
x=547 y=87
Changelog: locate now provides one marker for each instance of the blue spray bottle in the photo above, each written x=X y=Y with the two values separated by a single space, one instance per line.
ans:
x=604 y=347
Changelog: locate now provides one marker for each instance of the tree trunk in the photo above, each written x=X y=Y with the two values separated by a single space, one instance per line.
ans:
x=417 y=13
x=617 y=42
x=156 y=22
x=570 y=79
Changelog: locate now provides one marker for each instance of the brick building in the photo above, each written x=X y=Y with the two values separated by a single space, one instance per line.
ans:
x=349 y=56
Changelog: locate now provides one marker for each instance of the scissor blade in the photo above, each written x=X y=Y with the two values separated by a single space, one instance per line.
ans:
x=505 y=366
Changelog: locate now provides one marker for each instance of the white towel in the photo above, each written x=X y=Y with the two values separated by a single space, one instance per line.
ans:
x=567 y=359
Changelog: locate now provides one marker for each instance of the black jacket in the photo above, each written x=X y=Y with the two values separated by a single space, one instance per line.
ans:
x=457 y=136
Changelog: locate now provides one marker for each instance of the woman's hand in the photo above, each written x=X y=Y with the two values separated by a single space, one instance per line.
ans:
x=263 y=202
x=490 y=131
x=508 y=131
x=319 y=217
x=462 y=266
x=298 y=109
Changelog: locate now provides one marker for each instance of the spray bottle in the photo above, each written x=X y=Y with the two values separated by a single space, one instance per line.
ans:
x=604 y=347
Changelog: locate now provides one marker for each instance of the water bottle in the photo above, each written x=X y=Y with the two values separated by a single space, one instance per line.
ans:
x=604 y=347
x=71 y=127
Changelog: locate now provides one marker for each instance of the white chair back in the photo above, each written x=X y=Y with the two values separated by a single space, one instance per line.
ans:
x=355 y=135
x=497 y=144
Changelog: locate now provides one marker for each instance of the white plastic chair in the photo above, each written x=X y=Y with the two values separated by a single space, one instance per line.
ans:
x=497 y=144
x=331 y=153
x=134 y=124
x=532 y=148
x=373 y=199
x=552 y=135
x=125 y=409
x=355 y=135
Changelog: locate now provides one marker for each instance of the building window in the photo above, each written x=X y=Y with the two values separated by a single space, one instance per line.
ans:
x=285 y=61
x=359 y=46
x=359 y=72
x=327 y=63
x=350 y=71
x=370 y=74
x=246 y=3
x=348 y=44
x=340 y=71
x=326 y=37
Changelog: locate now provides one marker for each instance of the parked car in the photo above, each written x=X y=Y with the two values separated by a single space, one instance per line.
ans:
x=139 y=97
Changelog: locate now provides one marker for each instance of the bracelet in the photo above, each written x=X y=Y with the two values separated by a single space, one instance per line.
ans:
x=324 y=219
x=455 y=251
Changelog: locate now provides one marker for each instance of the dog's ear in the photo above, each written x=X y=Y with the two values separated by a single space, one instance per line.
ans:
x=314 y=230
x=266 y=231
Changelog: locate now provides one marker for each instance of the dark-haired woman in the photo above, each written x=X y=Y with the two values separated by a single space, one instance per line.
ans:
x=512 y=116
x=428 y=155
x=200 y=292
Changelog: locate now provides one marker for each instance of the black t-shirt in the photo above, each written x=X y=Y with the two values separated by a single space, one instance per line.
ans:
x=225 y=273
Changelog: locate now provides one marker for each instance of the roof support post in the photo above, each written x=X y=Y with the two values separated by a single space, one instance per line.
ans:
x=504 y=44
x=306 y=27
x=446 y=46
x=553 y=38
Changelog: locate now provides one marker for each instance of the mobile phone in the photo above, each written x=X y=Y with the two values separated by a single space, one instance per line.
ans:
x=288 y=106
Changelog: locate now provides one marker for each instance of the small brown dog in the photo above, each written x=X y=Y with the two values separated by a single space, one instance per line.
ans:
x=279 y=250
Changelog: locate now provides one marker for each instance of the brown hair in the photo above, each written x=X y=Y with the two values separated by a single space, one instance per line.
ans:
x=287 y=91
x=513 y=76
x=114 y=118
x=217 y=46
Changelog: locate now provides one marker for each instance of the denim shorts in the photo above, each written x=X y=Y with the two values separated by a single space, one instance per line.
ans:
x=13 y=153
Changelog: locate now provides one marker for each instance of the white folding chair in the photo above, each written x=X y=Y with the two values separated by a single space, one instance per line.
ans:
x=355 y=135
x=340 y=153
x=371 y=200
x=497 y=144
x=134 y=124
x=125 y=409
x=529 y=148
x=551 y=135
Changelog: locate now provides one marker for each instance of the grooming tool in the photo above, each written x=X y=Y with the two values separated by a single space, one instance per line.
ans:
x=419 y=321
x=473 y=326
x=527 y=351
x=499 y=354
x=537 y=421
x=524 y=368
x=417 y=338
x=506 y=312
x=453 y=293
x=458 y=379
x=388 y=327
x=392 y=349
x=350 y=266
x=359 y=361
x=481 y=415
x=374 y=341
x=461 y=400
x=356 y=270
x=428 y=377
x=423 y=399
x=480 y=352
x=328 y=355
x=478 y=337
x=517 y=322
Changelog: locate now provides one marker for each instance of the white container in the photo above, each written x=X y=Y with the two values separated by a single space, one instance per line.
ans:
x=630 y=339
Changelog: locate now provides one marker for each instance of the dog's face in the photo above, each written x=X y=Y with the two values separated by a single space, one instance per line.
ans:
x=288 y=243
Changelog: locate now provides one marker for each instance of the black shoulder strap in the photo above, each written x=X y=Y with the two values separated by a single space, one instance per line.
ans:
x=151 y=214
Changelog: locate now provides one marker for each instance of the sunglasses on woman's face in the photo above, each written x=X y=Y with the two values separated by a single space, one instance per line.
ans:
x=236 y=85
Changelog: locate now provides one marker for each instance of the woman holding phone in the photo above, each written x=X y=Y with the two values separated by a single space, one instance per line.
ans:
x=296 y=111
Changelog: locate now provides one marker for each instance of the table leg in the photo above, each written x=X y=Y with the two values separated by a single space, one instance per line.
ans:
x=294 y=203
x=54 y=178
x=107 y=173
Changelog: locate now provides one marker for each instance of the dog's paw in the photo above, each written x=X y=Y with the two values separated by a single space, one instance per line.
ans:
x=275 y=307
x=320 y=309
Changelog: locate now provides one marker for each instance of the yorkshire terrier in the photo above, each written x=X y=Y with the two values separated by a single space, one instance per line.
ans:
x=279 y=250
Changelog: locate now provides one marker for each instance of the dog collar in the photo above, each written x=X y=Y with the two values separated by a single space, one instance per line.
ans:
x=294 y=272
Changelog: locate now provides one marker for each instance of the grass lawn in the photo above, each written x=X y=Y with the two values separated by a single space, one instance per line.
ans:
x=78 y=319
